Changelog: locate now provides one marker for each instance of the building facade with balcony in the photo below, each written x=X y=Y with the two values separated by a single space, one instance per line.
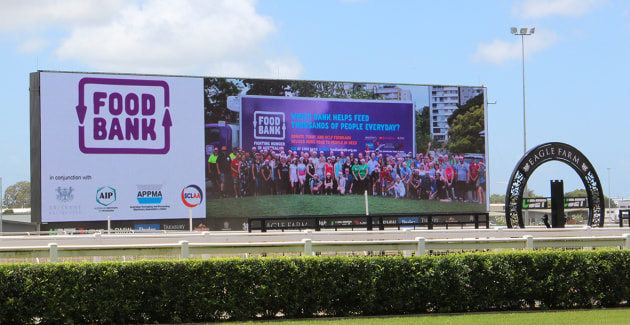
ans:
x=443 y=101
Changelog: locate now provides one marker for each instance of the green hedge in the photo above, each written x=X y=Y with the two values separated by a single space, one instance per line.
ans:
x=241 y=289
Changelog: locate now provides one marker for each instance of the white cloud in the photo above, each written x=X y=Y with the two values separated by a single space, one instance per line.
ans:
x=197 y=37
x=500 y=51
x=163 y=36
x=543 y=8
x=17 y=15
x=496 y=52
x=32 y=45
x=285 y=67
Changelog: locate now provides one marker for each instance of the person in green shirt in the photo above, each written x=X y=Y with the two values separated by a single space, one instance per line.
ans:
x=363 y=174
x=233 y=153
x=213 y=173
x=356 y=185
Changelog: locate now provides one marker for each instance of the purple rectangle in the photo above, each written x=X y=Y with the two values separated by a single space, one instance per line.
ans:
x=327 y=125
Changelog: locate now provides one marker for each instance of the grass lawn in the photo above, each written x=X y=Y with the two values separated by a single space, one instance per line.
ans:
x=289 y=205
x=598 y=316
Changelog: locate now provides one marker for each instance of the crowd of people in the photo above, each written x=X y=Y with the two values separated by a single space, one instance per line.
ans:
x=427 y=176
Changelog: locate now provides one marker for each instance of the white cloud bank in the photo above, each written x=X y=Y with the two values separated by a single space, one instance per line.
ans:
x=197 y=37
x=545 y=8
x=39 y=14
x=499 y=51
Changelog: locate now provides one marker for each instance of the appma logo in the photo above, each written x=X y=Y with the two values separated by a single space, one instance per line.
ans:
x=149 y=194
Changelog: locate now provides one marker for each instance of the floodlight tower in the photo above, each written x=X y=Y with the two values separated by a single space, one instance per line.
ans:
x=522 y=33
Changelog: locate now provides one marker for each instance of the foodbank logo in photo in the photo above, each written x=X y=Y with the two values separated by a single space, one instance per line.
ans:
x=106 y=195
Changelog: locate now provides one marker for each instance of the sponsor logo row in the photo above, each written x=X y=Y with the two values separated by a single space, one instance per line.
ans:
x=147 y=195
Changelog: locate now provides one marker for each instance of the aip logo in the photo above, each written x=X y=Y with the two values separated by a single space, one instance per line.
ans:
x=192 y=196
x=124 y=116
x=105 y=195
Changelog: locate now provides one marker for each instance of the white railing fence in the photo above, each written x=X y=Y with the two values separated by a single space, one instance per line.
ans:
x=308 y=247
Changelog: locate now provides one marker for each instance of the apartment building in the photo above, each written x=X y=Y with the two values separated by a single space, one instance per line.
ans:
x=443 y=101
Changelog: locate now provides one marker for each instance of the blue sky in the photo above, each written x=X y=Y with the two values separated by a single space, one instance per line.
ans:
x=576 y=63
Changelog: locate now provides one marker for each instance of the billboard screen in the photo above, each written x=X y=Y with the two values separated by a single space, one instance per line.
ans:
x=310 y=148
x=146 y=150
x=123 y=147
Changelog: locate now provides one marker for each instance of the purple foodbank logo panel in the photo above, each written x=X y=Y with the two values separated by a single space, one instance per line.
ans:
x=327 y=125
x=132 y=118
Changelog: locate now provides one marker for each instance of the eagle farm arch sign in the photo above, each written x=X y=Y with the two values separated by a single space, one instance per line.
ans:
x=553 y=151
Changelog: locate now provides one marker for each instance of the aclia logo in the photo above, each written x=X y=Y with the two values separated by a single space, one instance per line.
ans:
x=192 y=196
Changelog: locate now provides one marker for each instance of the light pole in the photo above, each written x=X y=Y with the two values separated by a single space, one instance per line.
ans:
x=609 y=203
x=522 y=33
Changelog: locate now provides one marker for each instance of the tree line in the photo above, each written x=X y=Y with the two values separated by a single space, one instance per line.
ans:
x=17 y=195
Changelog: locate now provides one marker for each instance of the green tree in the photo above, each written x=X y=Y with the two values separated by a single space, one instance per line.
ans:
x=470 y=105
x=497 y=198
x=532 y=194
x=423 y=129
x=582 y=193
x=576 y=193
x=500 y=198
x=216 y=91
x=464 y=132
x=465 y=125
x=302 y=88
x=18 y=195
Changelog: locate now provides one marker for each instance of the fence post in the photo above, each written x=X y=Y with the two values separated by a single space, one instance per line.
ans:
x=422 y=245
x=53 y=253
x=185 y=251
x=626 y=237
x=190 y=221
x=308 y=247
x=529 y=242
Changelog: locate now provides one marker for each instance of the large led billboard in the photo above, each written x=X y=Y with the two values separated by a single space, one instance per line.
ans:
x=403 y=145
x=147 y=151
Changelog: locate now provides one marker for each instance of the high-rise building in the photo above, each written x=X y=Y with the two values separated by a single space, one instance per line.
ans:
x=443 y=101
